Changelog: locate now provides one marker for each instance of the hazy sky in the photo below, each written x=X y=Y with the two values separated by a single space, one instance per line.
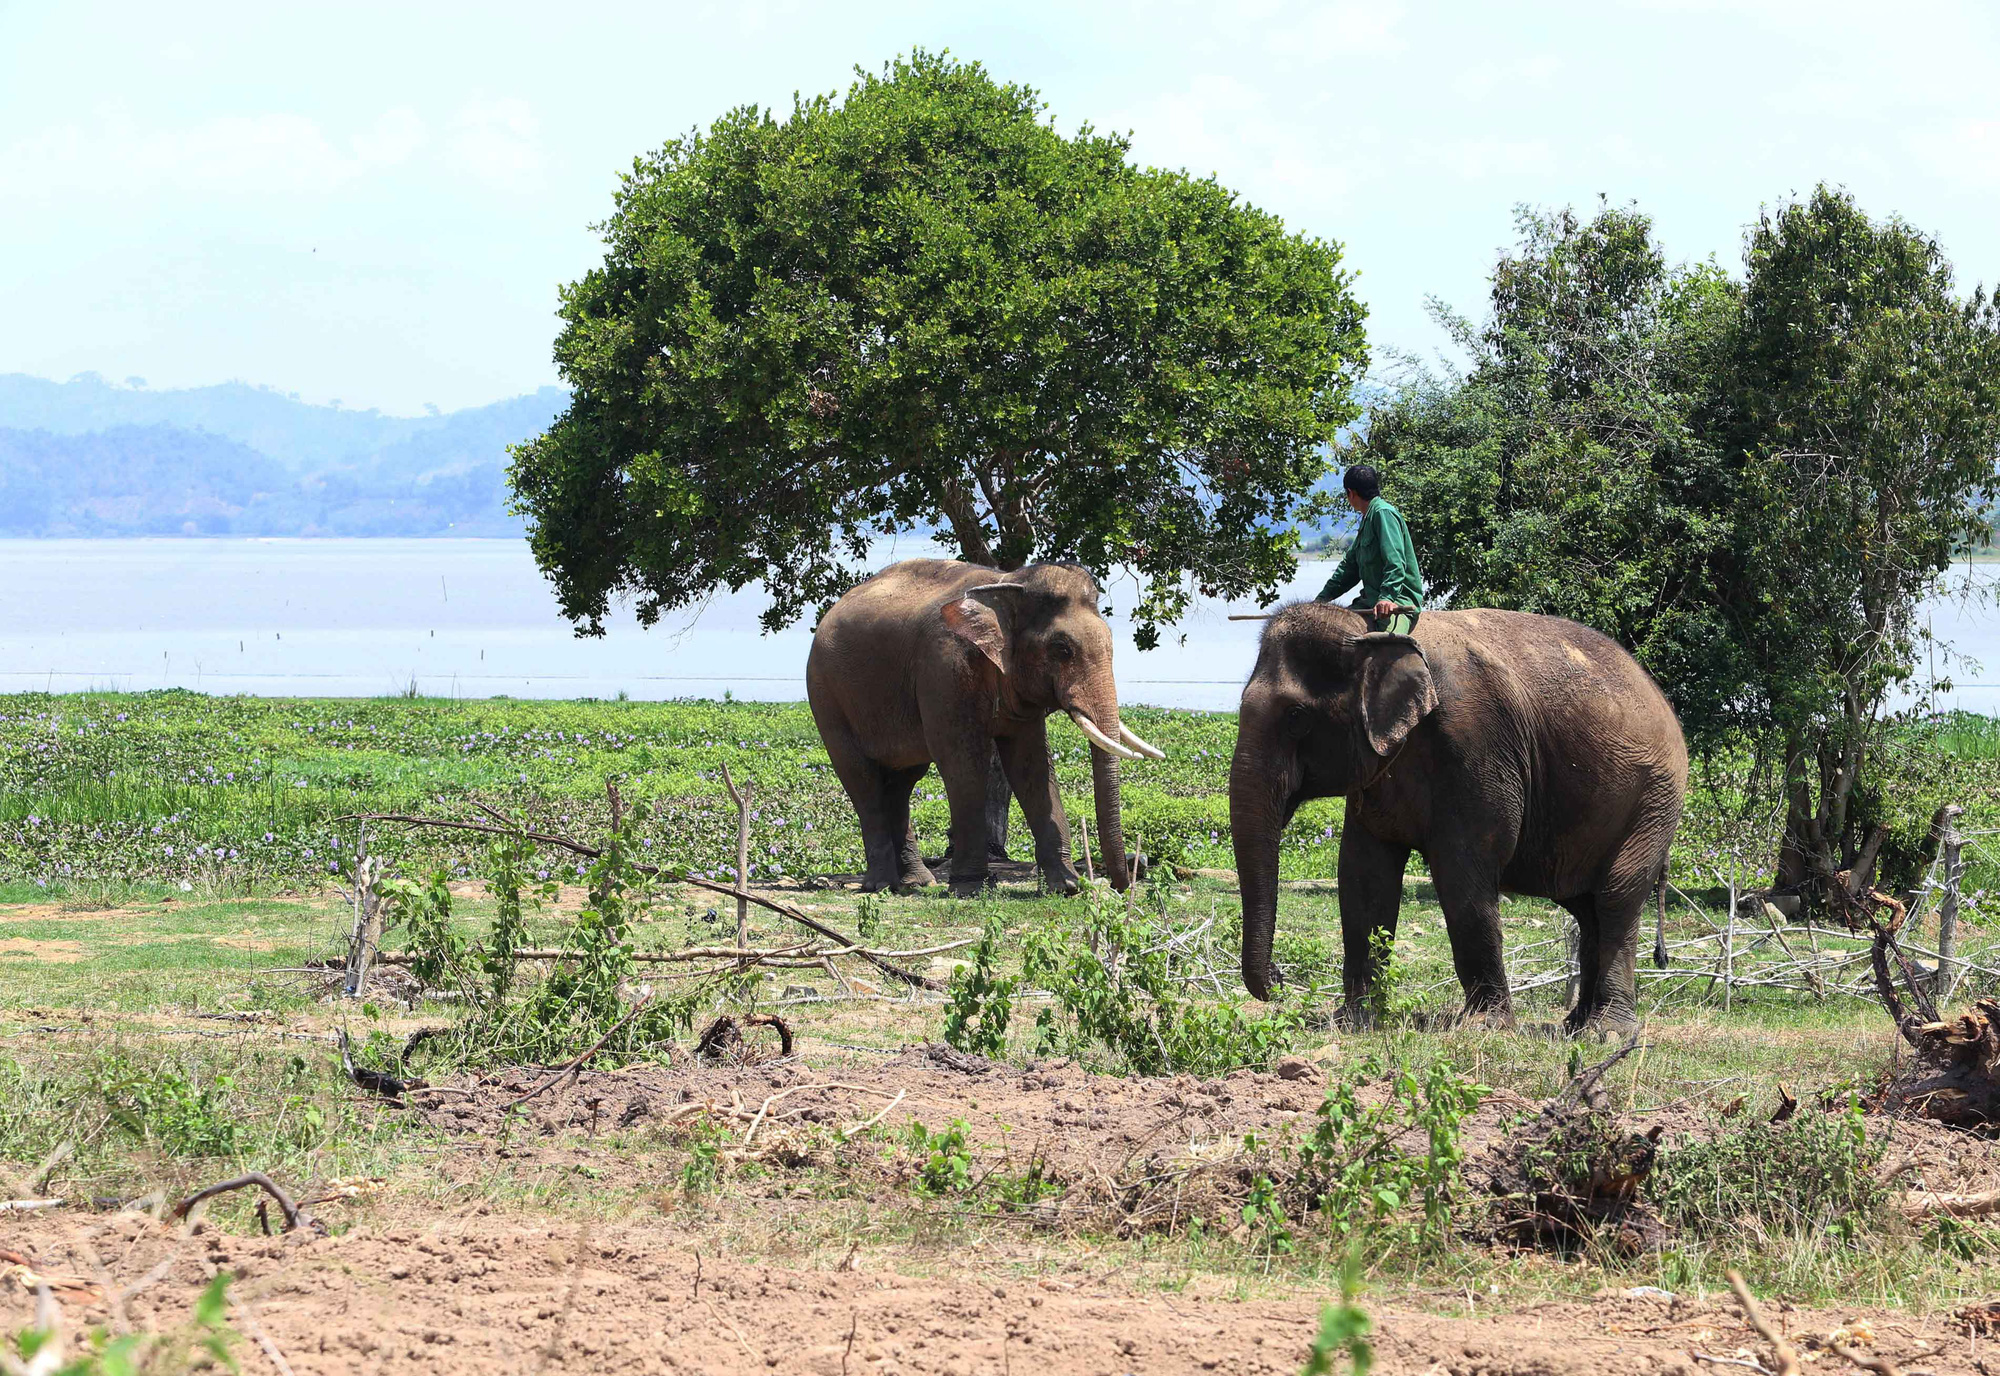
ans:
x=377 y=202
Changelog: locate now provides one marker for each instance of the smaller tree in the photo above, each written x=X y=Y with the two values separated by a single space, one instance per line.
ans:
x=1867 y=416
x=1568 y=470
x=1753 y=488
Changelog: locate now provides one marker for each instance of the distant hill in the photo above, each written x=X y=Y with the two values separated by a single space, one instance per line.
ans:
x=86 y=458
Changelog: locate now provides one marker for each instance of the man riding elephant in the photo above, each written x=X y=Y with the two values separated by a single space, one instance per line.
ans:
x=1381 y=559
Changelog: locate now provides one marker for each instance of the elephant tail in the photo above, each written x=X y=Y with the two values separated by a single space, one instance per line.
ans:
x=1660 y=957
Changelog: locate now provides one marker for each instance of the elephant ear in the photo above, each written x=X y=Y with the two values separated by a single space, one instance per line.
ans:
x=983 y=618
x=1396 y=689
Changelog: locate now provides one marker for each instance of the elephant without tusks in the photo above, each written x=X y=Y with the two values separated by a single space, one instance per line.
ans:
x=1513 y=752
x=934 y=660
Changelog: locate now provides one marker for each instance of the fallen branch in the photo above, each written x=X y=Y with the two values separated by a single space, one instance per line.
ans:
x=765 y=1107
x=741 y=892
x=256 y=1178
x=374 y=1081
x=1917 y=1206
x=1881 y=1366
x=884 y=1112
x=805 y=955
x=1782 y=1351
x=29 y=1206
x=725 y=1035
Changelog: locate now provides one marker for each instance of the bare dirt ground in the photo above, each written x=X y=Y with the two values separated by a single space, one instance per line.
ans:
x=475 y=1288
x=477 y=1294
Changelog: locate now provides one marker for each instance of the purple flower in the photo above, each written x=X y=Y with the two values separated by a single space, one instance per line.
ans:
x=170 y=851
x=308 y=854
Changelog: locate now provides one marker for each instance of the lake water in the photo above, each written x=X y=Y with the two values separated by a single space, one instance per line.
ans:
x=474 y=618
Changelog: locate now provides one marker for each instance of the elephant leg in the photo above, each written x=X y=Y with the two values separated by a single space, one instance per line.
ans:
x=911 y=872
x=866 y=784
x=1026 y=757
x=962 y=761
x=1371 y=895
x=1588 y=957
x=1608 y=948
x=999 y=801
x=1470 y=896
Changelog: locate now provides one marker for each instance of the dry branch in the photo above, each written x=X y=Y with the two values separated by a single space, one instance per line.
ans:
x=1781 y=1351
x=589 y=852
x=241 y=1182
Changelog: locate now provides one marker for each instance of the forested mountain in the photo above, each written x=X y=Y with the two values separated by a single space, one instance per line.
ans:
x=86 y=458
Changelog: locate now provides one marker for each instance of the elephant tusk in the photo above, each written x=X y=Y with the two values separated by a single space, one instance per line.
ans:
x=1133 y=739
x=1099 y=739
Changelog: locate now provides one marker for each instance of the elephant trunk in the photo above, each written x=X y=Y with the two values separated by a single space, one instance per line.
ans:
x=1255 y=824
x=1094 y=709
x=1110 y=821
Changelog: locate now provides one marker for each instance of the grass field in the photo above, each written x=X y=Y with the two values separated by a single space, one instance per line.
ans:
x=166 y=873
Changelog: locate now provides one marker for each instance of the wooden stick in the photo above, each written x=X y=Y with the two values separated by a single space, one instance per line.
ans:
x=257 y=1178
x=741 y=797
x=1782 y=1351
x=848 y=1132
x=576 y=1064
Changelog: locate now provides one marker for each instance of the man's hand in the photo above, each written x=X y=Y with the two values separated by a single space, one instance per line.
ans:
x=1385 y=609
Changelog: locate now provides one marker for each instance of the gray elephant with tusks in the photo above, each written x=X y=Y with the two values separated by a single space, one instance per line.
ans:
x=1515 y=753
x=932 y=660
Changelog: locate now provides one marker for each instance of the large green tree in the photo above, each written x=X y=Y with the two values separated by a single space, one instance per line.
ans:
x=923 y=307
x=1752 y=486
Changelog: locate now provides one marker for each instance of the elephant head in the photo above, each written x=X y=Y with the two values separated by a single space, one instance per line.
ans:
x=1041 y=629
x=1326 y=710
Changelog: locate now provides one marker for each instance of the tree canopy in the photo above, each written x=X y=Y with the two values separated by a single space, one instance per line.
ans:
x=924 y=308
x=1752 y=485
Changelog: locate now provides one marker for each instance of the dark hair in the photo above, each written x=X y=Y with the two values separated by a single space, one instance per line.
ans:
x=1363 y=481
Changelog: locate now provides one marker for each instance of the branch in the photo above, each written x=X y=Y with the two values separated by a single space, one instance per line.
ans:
x=256 y=1178
x=849 y=947
x=1787 y=1358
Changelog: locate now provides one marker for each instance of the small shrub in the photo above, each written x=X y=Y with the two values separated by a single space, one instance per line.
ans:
x=1343 y=1326
x=944 y=1160
x=161 y=1106
x=1353 y=1173
x=1814 y=1173
x=1123 y=984
x=981 y=1001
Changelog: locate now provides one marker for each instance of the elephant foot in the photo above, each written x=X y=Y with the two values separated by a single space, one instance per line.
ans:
x=971 y=888
x=1062 y=881
x=1494 y=1018
x=1600 y=1026
x=918 y=876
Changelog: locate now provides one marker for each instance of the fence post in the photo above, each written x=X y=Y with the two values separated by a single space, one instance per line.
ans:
x=1729 y=946
x=741 y=797
x=367 y=917
x=1951 y=852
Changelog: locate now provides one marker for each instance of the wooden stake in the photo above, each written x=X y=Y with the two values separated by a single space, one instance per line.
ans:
x=740 y=797
x=1952 y=863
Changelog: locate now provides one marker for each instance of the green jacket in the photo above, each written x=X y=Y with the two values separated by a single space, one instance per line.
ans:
x=1381 y=559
